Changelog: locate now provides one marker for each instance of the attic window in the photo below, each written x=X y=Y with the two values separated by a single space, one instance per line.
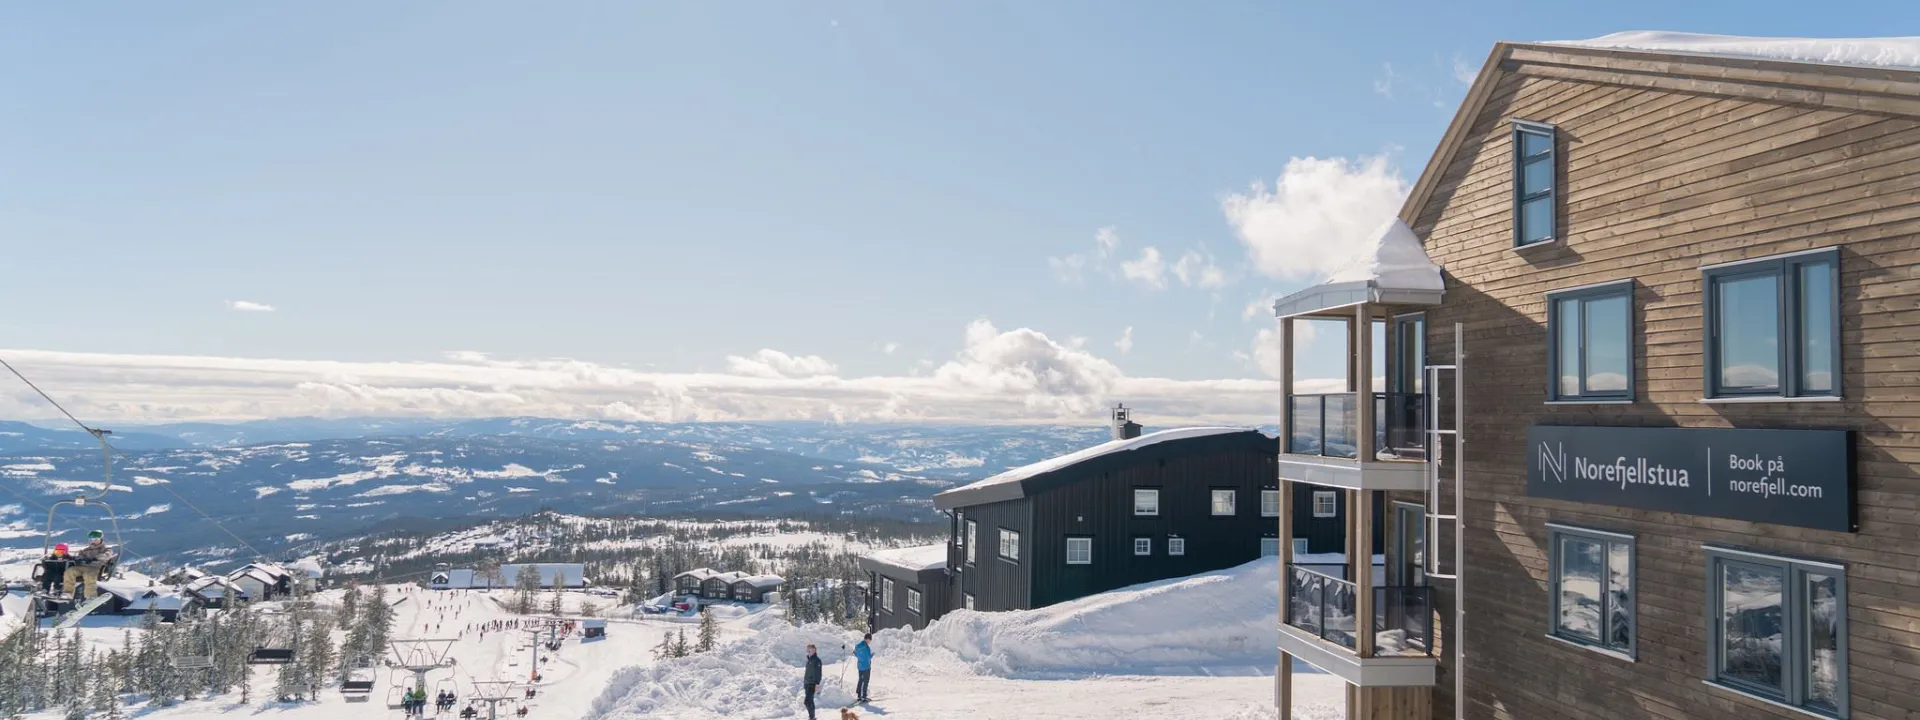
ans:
x=1536 y=183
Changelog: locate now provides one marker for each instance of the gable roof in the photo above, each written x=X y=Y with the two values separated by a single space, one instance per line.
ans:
x=697 y=574
x=762 y=581
x=1769 y=69
x=1027 y=480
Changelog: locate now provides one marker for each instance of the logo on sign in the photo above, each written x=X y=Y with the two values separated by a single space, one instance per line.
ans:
x=1620 y=471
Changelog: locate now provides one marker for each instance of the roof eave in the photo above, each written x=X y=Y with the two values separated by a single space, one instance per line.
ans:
x=1331 y=296
x=968 y=497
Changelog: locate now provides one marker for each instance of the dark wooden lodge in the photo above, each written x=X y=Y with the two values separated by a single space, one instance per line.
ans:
x=910 y=586
x=1136 y=509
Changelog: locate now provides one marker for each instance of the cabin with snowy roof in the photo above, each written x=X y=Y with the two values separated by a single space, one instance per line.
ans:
x=1138 y=508
x=910 y=586
x=263 y=580
x=215 y=591
x=690 y=582
x=754 y=588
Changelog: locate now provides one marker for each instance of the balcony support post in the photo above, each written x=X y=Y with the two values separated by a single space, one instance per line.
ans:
x=1362 y=381
x=1360 y=542
x=1283 y=674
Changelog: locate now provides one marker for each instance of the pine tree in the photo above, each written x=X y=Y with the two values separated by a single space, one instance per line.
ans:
x=556 y=606
x=379 y=620
x=680 y=648
x=316 y=653
x=349 y=608
x=665 y=649
x=709 y=630
x=589 y=608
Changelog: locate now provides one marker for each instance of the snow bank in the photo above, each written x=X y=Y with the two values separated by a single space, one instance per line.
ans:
x=1900 y=53
x=757 y=678
x=1204 y=622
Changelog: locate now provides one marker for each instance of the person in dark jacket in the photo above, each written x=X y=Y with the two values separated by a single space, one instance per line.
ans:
x=812 y=679
x=863 y=653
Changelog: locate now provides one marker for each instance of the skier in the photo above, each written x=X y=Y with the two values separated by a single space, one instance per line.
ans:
x=83 y=575
x=863 y=655
x=812 y=679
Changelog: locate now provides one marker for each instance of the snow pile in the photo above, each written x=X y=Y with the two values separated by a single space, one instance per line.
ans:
x=1899 y=53
x=1391 y=258
x=917 y=558
x=1207 y=621
x=751 y=679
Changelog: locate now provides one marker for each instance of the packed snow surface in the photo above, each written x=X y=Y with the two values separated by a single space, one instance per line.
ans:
x=921 y=557
x=1392 y=258
x=1105 y=448
x=1888 y=52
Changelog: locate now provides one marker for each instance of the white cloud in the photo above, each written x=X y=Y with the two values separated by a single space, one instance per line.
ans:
x=1195 y=269
x=248 y=306
x=1463 y=71
x=1307 y=225
x=1107 y=240
x=1017 y=376
x=776 y=364
x=890 y=348
x=1125 y=343
x=1071 y=270
x=1266 y=351
x=1383 y=85
x=1149 y=270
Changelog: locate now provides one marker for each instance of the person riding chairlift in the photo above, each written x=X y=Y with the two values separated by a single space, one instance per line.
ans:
x=90 y=564
x=52 y=571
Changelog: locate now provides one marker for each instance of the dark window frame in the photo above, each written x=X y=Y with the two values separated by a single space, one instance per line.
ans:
x=1785 y=269
x=1557 y=532
x=1521 y=129
x=1583 y=294
x=1156 y=501
x=1001 y=548
x=1794 y=610
x=1067 y=555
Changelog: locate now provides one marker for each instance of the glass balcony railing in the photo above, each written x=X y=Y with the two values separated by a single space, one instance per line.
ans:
x=1324 y=605
x=1327 y=424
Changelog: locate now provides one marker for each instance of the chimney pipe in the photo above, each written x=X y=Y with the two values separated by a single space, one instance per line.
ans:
x=1124 y=428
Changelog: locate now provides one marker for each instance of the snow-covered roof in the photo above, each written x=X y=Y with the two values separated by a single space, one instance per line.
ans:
x=1898 y=53
x=762 y=581
x=1391 y=266
x=201 y=585
x=698 y=574
x=913 y=559
x=729 y=576
x=1012 y=478
x=310 y=566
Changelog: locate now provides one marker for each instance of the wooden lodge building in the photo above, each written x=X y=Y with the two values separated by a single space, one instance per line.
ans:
x=1138 y=508
x=1670 y=301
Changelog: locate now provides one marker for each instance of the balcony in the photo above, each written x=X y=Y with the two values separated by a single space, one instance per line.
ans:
x=1320 y=624
x=1322 y=441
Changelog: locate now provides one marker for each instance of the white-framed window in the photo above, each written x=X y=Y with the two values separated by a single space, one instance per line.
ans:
x=1299 y=546
x=1146 y=501
x=1143 y=546
x=1269 y=503
x=1079 y=551
x=913 y=601
x=966 y=600
x=1223 y=500
x=886 y=594
x=973 y=539
x=1591 y=572
x=1326 y=503
x=1778 y=629
x=1176 y=546
x=1269 y=547
x=1009 y=545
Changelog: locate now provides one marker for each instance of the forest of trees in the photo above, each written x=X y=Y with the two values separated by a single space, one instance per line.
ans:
x=55 y=671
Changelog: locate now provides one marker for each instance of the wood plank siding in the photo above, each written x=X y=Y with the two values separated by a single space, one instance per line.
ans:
x=995 y=583
x=1669 y=164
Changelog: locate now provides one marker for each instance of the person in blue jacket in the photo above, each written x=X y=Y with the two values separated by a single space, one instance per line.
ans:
x=863 y=653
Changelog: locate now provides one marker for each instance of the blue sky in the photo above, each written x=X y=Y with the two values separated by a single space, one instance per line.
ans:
x=663 y=186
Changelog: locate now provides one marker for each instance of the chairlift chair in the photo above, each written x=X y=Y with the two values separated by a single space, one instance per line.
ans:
x=270 y=656
x=358 y=686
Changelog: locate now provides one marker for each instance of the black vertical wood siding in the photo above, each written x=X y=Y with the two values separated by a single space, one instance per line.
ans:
x=997 y=584
x=1329 y=535
x=934 y=597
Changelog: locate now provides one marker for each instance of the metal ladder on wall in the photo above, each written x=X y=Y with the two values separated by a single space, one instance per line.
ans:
x=1435 y=434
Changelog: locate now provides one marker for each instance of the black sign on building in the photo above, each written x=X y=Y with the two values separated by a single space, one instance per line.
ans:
x=1785 y=477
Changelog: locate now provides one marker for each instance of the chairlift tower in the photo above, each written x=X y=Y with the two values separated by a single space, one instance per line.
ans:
x=421 y=656
x=493 y=692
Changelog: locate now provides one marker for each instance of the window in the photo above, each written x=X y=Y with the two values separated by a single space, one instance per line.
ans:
x=1269 y=503
x=913 y=601
x=1779 y=629
x=1143 y=546
x=1592 y=593
x=1223 y=502
x=1590 y=347
x=966 y=600
x=1269 y=547
x=1079 y=551
x=1773 y=326
x=1300 y=546
x=973 y=539
x=1176 y=546
x=1009 y=545
x=1146 y=501
x=1536 y=182
x=1326 y=503
x=886 y=594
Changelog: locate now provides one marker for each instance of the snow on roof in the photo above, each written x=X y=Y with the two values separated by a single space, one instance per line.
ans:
x=310 y=566
x=698 y=573
x=1899 y=53
x=1107 y=448
x=1393 y=258
x=729 y=576
x=916 y=558
x=762 y=581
